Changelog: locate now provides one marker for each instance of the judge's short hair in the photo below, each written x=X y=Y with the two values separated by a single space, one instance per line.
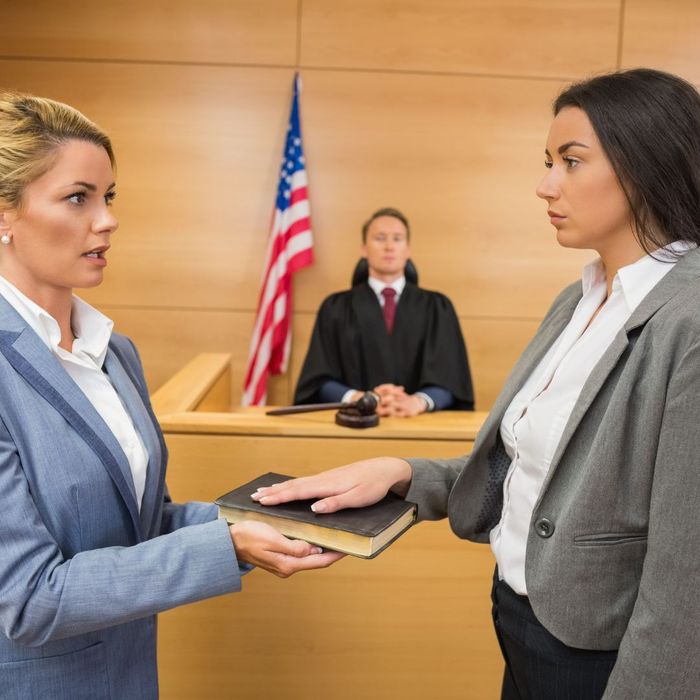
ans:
x=32 y=130
x=648 y=123
x=385 y=211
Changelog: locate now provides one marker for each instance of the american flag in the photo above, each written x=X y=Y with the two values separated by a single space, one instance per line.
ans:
x=289 y=248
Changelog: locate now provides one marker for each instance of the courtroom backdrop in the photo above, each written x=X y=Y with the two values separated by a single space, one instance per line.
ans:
x=440 y=109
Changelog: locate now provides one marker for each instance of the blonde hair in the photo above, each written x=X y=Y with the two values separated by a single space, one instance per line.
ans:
x=32 y=129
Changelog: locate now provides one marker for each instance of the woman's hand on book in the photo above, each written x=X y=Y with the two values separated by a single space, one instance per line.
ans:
x=352 y=486
x=261 y=545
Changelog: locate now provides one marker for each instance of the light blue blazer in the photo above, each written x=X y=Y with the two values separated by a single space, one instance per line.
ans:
x=82 y=571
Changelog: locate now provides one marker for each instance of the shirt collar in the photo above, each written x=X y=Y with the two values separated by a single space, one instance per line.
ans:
x=377 y=285
x=639 y=278
x=593 y=274
x=91 y=328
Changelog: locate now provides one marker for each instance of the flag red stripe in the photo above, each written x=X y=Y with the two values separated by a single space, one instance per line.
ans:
x=298 y=195
x=280 y=243
x=301 y=259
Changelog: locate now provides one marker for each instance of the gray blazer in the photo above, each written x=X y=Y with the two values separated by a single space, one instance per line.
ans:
x=82 y=571
x=613 y=554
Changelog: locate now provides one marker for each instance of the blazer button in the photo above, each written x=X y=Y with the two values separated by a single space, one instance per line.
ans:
x=544 y=527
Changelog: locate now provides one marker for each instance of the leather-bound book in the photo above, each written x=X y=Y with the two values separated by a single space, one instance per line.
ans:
x=362 y=532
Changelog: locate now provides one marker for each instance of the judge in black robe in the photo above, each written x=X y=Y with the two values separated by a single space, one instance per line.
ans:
x=415 y=362
x=351 y=346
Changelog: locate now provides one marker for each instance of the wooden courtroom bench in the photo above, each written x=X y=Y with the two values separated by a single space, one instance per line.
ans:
x=412 y=623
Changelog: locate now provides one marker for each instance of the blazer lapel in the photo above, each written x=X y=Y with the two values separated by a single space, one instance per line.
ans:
x=143 y=423
x=42 y=370
x=590 y=390
x=685 y=271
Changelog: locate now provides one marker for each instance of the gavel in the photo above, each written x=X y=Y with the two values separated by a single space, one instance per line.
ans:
x=358 y=414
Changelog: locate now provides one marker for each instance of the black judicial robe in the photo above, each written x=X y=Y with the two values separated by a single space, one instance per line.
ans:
x=351 y=344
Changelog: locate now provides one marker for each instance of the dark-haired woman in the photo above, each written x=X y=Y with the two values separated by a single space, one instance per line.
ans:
x=585 y=477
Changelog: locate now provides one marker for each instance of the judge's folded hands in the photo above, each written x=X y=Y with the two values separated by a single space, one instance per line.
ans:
x=352 y=486
x=262 y=546
x=394 y=401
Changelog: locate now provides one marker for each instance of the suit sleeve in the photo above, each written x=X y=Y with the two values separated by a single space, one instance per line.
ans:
x=431 y=484
x=658 y=652
x=177 y=515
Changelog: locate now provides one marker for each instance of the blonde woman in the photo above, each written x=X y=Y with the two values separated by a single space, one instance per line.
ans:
x=91 y=546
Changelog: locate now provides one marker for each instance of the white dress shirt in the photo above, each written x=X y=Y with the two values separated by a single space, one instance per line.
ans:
x=378 y=287
x=534 y=421
x=84 y=364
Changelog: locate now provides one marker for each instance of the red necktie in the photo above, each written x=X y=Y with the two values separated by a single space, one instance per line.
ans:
x=389 y=308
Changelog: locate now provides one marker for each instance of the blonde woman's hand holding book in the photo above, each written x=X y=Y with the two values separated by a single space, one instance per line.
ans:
x=261 y=545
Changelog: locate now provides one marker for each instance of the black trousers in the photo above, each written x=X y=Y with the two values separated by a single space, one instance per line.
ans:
x=538 y=665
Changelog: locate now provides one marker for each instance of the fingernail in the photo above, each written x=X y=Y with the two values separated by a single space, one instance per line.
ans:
x=318 y=507
x=316 y=550
x=255 y=496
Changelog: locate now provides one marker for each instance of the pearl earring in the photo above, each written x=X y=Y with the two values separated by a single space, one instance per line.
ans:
x=5 y=239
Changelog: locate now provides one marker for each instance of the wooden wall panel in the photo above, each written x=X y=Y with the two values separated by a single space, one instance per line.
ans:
x=663 y=35
x=197 y=155
x=462 y=157
x=534 y=37
x=228 y=31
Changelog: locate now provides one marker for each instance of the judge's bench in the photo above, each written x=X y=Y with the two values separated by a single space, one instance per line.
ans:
x=412 y=623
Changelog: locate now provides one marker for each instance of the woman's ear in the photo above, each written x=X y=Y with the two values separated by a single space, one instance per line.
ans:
x=8 y=215
x=5 y=224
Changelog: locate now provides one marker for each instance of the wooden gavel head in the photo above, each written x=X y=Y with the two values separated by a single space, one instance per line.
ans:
x=366 y=404
x=360 y=414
